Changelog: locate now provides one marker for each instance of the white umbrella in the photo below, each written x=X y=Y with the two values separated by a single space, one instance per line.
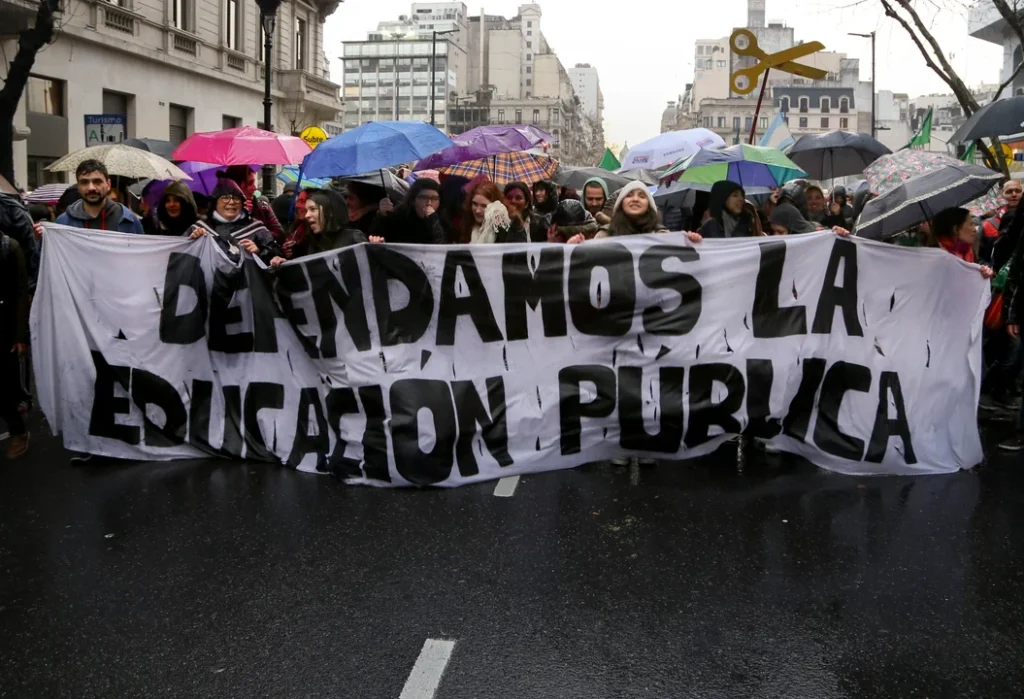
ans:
x=122 y=160
x=665 y=149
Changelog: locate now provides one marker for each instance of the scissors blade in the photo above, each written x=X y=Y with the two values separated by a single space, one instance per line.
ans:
x=804 y=71
x=776 y=59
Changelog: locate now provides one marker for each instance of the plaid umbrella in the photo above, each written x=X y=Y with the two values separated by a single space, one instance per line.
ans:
x=507 y=167
x=889 y=171
x=47 y=194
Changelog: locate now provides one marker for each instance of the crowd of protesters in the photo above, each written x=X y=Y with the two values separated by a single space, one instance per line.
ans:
x=302 y=222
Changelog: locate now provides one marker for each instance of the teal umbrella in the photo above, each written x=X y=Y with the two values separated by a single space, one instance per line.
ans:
x=747 y=166
x=290 y=173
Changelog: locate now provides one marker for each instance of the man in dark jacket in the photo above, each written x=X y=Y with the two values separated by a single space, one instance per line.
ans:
x=96 y=209
x=416 y=221
x=728 y=215
x=14 y=301
x=17 y=222
x=282 y=206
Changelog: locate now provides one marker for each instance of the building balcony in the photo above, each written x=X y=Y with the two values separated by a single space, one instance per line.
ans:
x=302 y=86
x=984 y=22
x=16 y=15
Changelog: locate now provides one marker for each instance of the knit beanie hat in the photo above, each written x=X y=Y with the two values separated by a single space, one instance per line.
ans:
x=632 y=187
x=225 y=188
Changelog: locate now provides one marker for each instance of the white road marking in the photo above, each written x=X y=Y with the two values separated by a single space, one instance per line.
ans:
x=506 y=487
x=426 y=673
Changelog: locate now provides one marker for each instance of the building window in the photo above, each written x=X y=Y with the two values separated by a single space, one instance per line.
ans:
x=700 y=50
x=747 y=123
x=519 y=116
x=824 y=122
x=762 y=122
x=721 y=64
x=707 y=122
x=529 y=94
x=529 y=24
x=784 y=105
x=529 y=82
x=501 y=116
x=179 y=123
x=721 y=122
x=844 y=105
x=230 y=122
x=529 y=44
x=826 y=105
x=536 y=116
x=844 y=123
x=736 y=124
x=45 y=96
x=803 y=122
x=529 y=69
x=300 y=44
x=529 y=33
x=119 y=103
x=803 y=105
x=529 y=57
x=709 y=63
x=234 y=24
x=181 y=15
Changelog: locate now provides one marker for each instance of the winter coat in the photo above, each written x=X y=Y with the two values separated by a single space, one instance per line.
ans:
x=113 y=217
x=790 y=218
x=540 y=217
x=14 y=295
x=742 y=226
x=163 y=224
x=263 y=212
x=621 y=224
x=229 y=233
x=16 y=222
x=404 y=226
x=498 y=227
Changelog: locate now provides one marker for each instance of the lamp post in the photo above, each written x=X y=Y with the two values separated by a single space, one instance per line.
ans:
x=268 y=19
x=873 y=97
x=433 y=68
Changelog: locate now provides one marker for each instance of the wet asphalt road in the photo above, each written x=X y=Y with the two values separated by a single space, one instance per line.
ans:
x=219 y=579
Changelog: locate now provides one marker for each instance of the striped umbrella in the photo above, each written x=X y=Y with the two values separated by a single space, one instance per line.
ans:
x=507 y=167
x=290 y=173
x=47 y=194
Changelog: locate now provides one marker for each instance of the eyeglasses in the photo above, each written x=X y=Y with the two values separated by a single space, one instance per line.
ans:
x=230 y=197
x=429 y=199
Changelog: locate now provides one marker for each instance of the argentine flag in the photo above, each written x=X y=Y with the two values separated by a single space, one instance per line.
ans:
x=777 y=135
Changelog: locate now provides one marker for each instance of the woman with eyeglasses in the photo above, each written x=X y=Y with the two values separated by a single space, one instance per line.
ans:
x=233 y=227
x=416 y=221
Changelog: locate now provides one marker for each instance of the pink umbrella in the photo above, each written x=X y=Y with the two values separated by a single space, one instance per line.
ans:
x=242 y=146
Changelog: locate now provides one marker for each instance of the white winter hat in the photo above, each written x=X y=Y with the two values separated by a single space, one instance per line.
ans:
x=631 y=187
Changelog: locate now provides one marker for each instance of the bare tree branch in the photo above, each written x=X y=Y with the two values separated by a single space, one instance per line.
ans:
x=1013 y=19
x=890 y=12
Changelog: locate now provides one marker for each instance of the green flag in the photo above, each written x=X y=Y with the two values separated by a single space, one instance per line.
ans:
x=609 y=161
x=968 y=156
x=923 y=137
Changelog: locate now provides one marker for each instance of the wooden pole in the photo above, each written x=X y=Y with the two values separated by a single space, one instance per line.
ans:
x=757 y=111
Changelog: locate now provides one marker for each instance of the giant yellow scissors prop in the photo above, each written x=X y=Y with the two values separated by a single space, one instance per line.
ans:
x=744 y=43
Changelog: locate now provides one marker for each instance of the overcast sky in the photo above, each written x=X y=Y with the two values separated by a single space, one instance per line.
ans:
x=643 y=49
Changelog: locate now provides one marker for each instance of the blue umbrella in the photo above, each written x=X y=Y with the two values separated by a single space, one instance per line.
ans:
x=372 y=146
x=290 y=173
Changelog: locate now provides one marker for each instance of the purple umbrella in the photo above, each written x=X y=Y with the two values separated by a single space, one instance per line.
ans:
x=204 y=179
x=485 y=141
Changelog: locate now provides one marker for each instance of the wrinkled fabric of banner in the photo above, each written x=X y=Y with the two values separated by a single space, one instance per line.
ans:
x=409 y=365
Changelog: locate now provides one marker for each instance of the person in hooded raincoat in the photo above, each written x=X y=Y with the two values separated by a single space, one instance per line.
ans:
x=729 y=216
x=595 y=199
x=329 y=228
x=176 y=213
x=416 y=221
x=786 y=219
x=545 y=199
x=233 y=227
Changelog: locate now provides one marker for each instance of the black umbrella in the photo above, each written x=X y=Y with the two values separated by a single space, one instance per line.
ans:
x=154 y=146
x=835 y=154
x=394 y=188
x=576 y=177
x=920 y=198
x=1001 y=118
x=645 y=176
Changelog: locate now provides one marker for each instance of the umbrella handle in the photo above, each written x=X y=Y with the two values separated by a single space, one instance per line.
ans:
x=383 y=186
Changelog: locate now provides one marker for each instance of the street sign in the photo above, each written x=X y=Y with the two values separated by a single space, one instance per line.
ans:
x=313 y=136
x=104 y=128
x=744 y=43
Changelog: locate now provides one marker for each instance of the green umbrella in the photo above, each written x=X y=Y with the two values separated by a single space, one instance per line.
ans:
x=609 y=161
x=749 y=166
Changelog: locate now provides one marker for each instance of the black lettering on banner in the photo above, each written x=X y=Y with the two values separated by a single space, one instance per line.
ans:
x=291 y=281
x=375 y=441
x=150 y=389
x=183 y=270
x=769 y=320
x=840 y=378
x=476 y=304
x=683 y=318
x=615 y=319
x=307 y=442
x=670 y=410
x=408 y=397
x=260 y=395
x=346 y=294
x=341 y=402
x=106 y=406
x=402 y=325
x=571 y=410
x=264 y=310
x=703 y=411
x=223 y=314
x=798 y=417
x=760 y=375
x=525 y=288
x=232 y=443
x=199 y=407
x=886 y=427
x=472 y=414
x=844 y=297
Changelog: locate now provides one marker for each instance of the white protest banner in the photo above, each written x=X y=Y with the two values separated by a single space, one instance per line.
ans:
x=398 y=365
